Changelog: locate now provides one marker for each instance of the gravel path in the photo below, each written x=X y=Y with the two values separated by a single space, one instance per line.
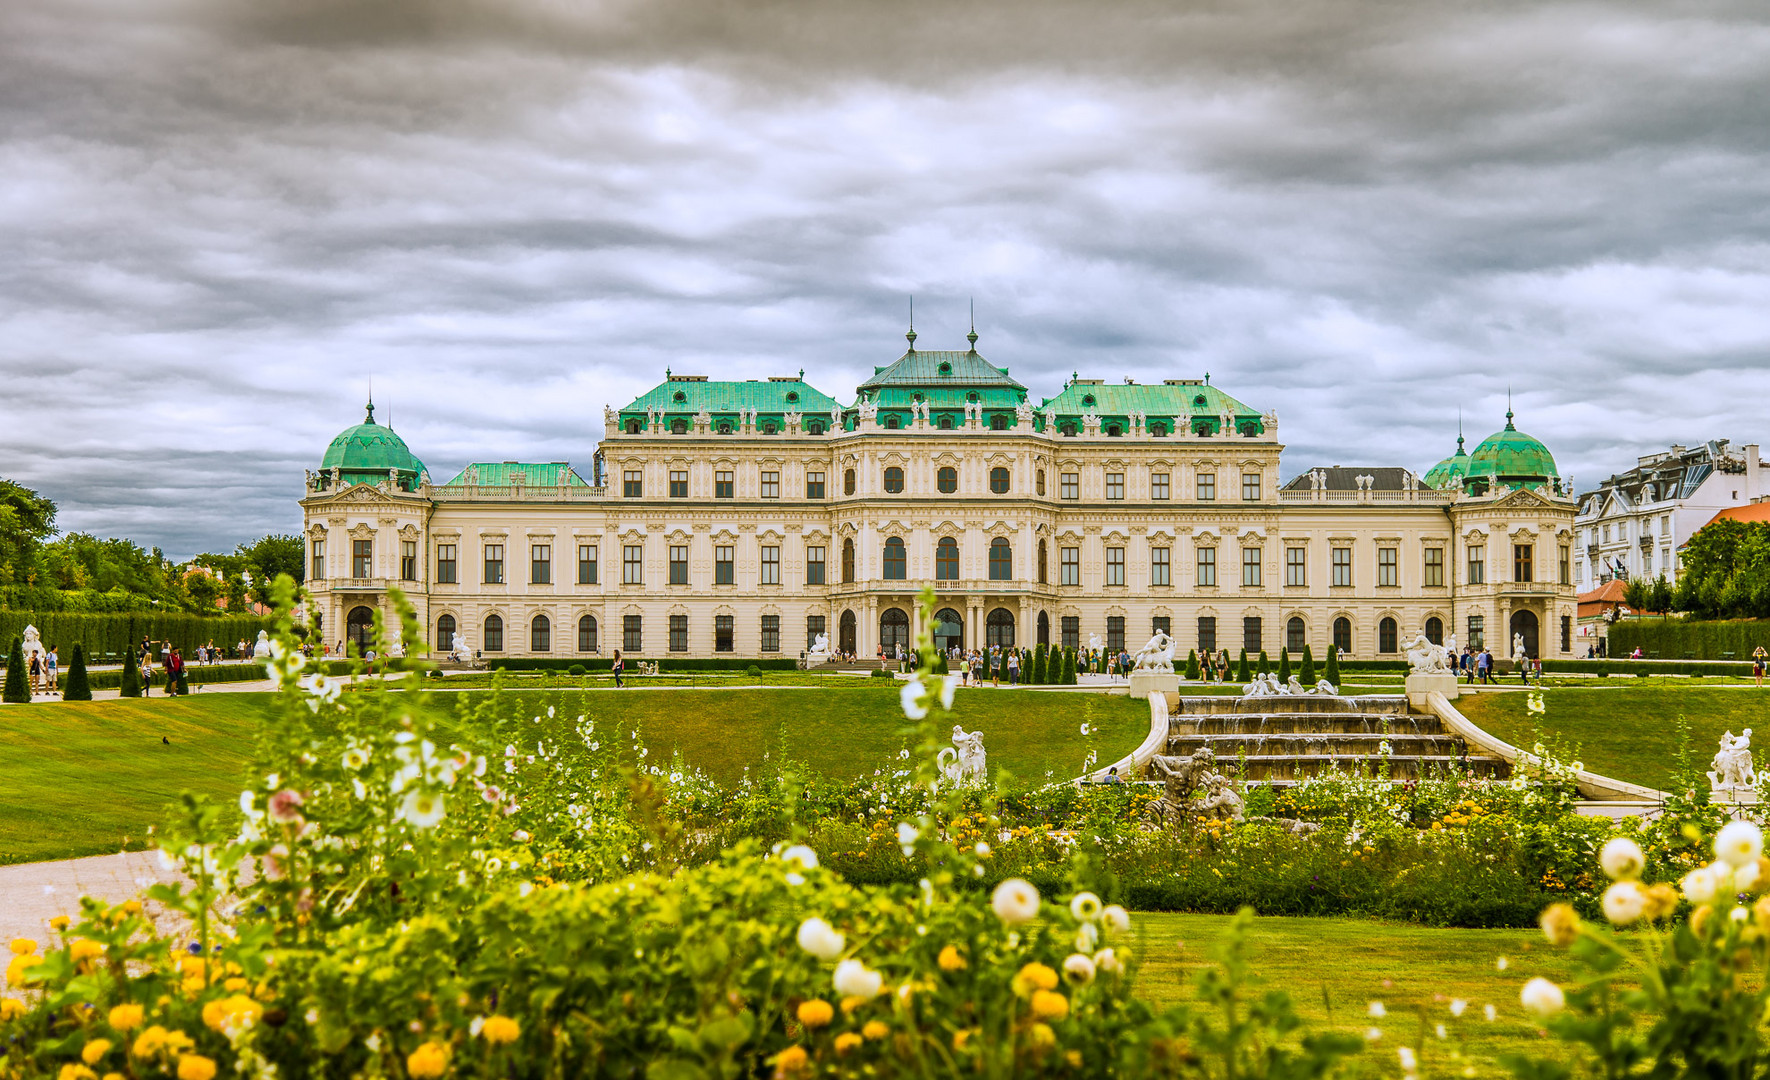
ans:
x=33 y=893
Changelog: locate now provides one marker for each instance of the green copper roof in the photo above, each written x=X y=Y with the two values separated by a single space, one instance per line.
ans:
x=1448 y=473
x=366 y=452
x=686 y=395
x=938 y=370
x=503 y=473
x=1114 y=402
x=1510 y=458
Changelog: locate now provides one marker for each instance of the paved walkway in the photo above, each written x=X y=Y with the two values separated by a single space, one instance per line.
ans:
x=33 y=893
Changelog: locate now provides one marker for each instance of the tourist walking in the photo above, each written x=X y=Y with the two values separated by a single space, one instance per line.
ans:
x=53 y=660
x=1758 y=658
x=147 y=670
x=617 y=667
x=1014 y=668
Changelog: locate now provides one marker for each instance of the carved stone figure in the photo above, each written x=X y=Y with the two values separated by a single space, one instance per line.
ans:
x=1518 y=648
x=1183 y=424
x=261 y=648
x=1179 y=776
x=1322 y=686
x=1450 y=645
x=1023 y=414
x=868 y=411
x=1094 y=642
x=1425 y=658
x=458 y=649
x=963 y=762
x=1295 y=687
x=819 y=653
x=1221 y=800
x=1157 y=656
x=33 y=643
x=611 y=421
x=1732 y=768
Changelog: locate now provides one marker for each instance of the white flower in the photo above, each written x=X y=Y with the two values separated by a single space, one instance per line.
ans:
x=907 y=835
x=1745 y=877
x=854 y=979
x=1723 y=875
x=1501 y=964
x=794 y=879
x=1085 y=906
x=1457 y=1005
x=521 y=836
x=1440 y=1032
x=1078 y=969
x=1084 y=729
x=1377 y=1010
x=474 y=1028
x=549 y=712
x=910 y=699
x=947 y=685
x=1738 y=843
x=820 y=939
x=1740 y=913
x=1087 y=938
x=422 y=809
x=1115 y=918
x=1372 y=1034
x=1621 y=858
x=1542 y=997
x=1491 y=1012
x=1624 y=901
x=1698 y=885
x=1108 y=961
x=982 y=850
x=801 y=854
x=1534 y=702
x=1406 y=1054
x=1015 y=901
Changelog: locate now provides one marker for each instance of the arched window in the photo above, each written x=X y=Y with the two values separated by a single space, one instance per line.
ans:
x=540 y=634
x=949 y=629
x=1044 y=629
x=494 y=633
x=848 y=559
x=948 y=480
x=1343 y=634
x=679 y=426
x=848 y=482
x=999 y=628
x=894 y=630
x=1435 y=630
x=946 y=421
x=587 y=634
x=445 y=633
x=895 y=565
x=1039 y=480
x=768 y=427
x=845 y=633
x=359 y=629
x=891 y=421
x=894 y=479
x=1293 y=634
x=1001 y=560
x=998 y=481
x=1042 y=569
x=1386 y=636
x=816 y=427
x=1201 y=427
x=633 y=426
x=946 y=559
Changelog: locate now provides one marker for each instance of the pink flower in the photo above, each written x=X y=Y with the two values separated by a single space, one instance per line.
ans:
x=285 y=807
x=274 y=863
x=491 y=794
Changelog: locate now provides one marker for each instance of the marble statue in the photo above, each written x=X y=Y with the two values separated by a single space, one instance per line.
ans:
x=835 y=418
x=1179 y=777
x=1221 y=800
x=1157 y=656
x=1518 y=648
x=1325 y=688
x=1295 y=687
x=819 y=653
x=1450 y=645
x=792 y=420
x=1183 y=424
x=1094 y=642
x=1264 y=685
x=33 y=644
x=963 y=762
x=458 y=649
x=1023 y=414
x=1425 y=658
x=611 y=421
x=1227 y=421
x=868 y=411
x=1732 y=768
x=261 y=648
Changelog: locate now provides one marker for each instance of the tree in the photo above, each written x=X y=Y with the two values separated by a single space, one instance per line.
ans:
x=1333 y=665
x=1637 y=594
x=277 y=553
x=1192 y=669
x=26 y=519
x=984 y=672
x=1284 y=665
x=131 y=686
x=1242 y=674
x=1265 y=664
x=1660 y=596
x=78 y=688
x=1069 y=667
x=18 y=686
x=1308 y=667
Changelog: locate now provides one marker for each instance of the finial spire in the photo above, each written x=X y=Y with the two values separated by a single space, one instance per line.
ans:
x=911 y=336
x=972 y=336
x=1509 y=426
x=370 y=418
x=1459 y=429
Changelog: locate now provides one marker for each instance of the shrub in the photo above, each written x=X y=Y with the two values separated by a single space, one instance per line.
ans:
x=130 y=684
x=1265 y=664
x=1333 y=665
x=881 y=673
x=1069 y=667
x=1242 y=674
x=577 y=669
x=18 y=684
x=1192 y=668
x=753 y=672
x=1039 y=663
x=1308 y=673
x=78 y=688
x=1284 y=665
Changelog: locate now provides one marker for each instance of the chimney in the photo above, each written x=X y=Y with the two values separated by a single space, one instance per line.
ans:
x=1754 y=485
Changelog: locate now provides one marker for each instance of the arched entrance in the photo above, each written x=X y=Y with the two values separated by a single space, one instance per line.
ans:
x=1524 y=625
x=999 y=628
x=1435 y=630
x=359 y=628
x=949 y=629
x=894 y=630
x=845 y=633
x=1044 y=624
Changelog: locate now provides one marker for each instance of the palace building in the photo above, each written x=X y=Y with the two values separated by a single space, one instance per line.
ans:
x=746 y=518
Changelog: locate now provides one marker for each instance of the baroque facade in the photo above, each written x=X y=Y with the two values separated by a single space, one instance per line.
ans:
x=746 y=518
x=1635 y=522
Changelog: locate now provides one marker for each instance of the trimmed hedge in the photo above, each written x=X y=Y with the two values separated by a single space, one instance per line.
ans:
x=1706 y=639
x=1647 y=667
x=194 y=675
x=665 y=664
x=111 y=634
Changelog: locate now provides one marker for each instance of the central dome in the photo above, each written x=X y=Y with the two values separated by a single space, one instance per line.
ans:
x=368 y=453
x=1511 y=459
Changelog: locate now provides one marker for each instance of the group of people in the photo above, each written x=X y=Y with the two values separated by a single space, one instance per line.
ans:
x=1476 y=666
x=44 y=669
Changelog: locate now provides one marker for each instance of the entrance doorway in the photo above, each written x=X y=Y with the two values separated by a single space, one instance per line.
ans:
x=359 y=629
x=1524 y=625
x=949 y=629
x=845 y=633
x=894 y=630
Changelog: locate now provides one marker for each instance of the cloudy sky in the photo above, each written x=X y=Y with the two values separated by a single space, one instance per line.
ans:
x=220 y=219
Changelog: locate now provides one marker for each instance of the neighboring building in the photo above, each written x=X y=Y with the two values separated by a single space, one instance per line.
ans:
x=748 y=517
x=1634 y=523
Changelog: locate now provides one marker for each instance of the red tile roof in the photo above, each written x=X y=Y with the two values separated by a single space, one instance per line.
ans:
x=1759 y=511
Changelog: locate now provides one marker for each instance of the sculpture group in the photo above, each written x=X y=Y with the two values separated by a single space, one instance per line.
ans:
x=1732 y=768
x=1267 y=685
x=1218 y=799
x=819 y=653
x=963 y=762
x=1157 y=656
x=1425 y=658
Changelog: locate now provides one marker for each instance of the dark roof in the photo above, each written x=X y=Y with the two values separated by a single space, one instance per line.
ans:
x=1340 y=478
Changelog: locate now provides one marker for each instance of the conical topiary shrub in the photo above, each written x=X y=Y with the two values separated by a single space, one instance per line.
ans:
x=1242 y=674
x=1308 y=674
x=1069 y=667
x=1192 y=669
x=1333 y=665
x=1041 y=664
x=78 y=688
x=1284 y=665
x=18 y=684
x=984 y=671
x=131 y=685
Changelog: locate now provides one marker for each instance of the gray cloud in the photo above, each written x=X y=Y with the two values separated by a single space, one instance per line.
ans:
x=222 y=219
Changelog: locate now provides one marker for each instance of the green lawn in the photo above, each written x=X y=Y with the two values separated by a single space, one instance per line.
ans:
x=1630 y=732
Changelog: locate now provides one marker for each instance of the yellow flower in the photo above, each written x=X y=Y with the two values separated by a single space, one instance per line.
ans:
x=1074 y=1057
x=235 y=984
x=114 y=1076
x=11 y=1008
x=23 y=946
x=132 y=907
x=1560 y=924
x=235 y=1010
x=1049 y=1005
x=84 y=949
x=500 y=1029
x=1662 y=900
x=196 y=1067
x=875 y=1030
x=851 y=1003
x=60 y=922
x=427 y=1062
x=95 y=1050
x=18 y=965
x=816 y=1013
x=961 y=1037
x=1034 y=976
x=125 y=1017
x=1041 y=1036
x=790 y=1061
x=951 y=960
x=847 y=1041
x=71 y=1071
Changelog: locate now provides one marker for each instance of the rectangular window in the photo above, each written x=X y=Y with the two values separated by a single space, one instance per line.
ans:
x=1665 y=529
x=771 y=633
x=1115 y=566
x=1115 y=632
x=814 y=626
x=1563 y=577
x=679 y=483
x=814 y=485
x=724 y=565
x=1434 y=567
x=1207 y=566
x=1115 y=485
x=724 y=486
x=1250 y=633
x=1207 y=486
x=494 y=567
x=1388 y=568
x=1161 y=624
x=1158 y=567
x=586 y=564
x=1296 y=564
x=679 y=564
x=1072 y=485
x=771 y=489
x=1522 y=562
x=1158 y=485
x=1250 y=487
x=540 y=564
x=722 y=633
x=1477 y=631
x=1477 y=565
x=1250 y=566
x=632 y=484
x=679 y=633
x=1342 y=560
x=362 y=558
x=408 y=560
x=1069 y=566
x=1207 y=633
x=631 y=640
x=771 y=568
x=1567 y=633
x=814 y=566
x=445 y=564
x=632 y=564
x=319 y=560
x=1072 y=632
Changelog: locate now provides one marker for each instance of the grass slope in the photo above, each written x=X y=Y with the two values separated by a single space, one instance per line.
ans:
x=1627 y=733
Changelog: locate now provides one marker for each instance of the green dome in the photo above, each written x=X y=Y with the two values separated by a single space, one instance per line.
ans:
x=1448 y=473
x=364 y=454
x=1511 y=459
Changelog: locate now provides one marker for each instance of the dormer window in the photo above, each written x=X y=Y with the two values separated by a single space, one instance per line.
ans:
x=633 y=427
x=679 y=426
x=891 y=421
x=946 y=422
x=945 y=368
x=724 y=427
x=1114 y=430
x=1158 y=430
x=792 y=395
x=1087 y=399
x=1199 y=400
x=768 y=427
x=679 y=397
x=816 y=427
x=1069 y=430
x=972 y=396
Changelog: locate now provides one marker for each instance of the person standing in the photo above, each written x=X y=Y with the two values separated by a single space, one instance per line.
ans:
x=147 y=670
x=617 y=667
x=54 y=672
x=1758 y=658
x=1014 y=668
